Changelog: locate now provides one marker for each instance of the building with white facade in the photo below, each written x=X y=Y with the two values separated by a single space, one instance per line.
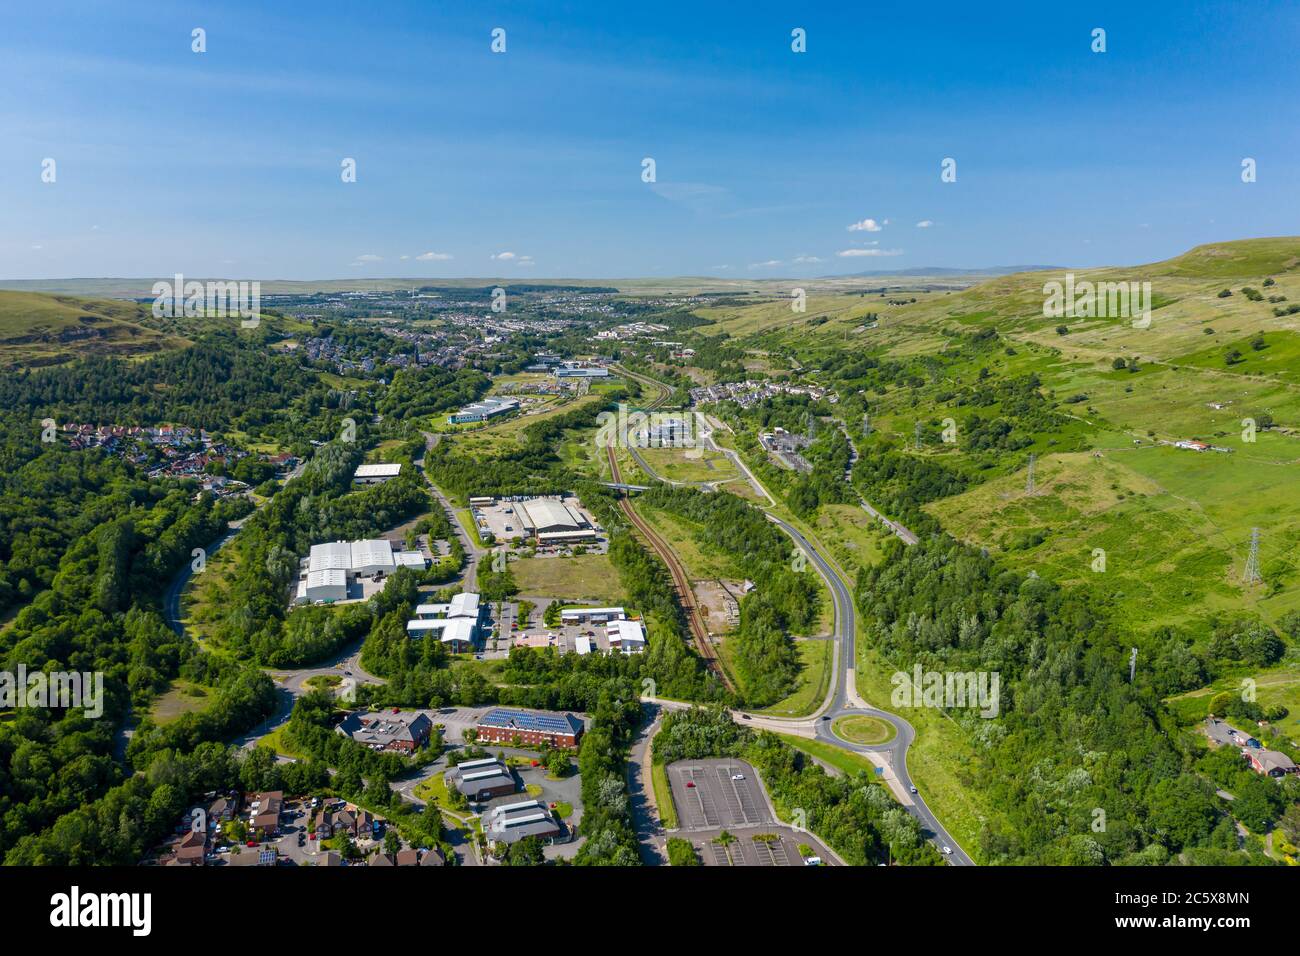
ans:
x=332 y=571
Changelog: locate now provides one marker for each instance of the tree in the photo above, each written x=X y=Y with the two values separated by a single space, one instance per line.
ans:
x=1219 y=704
x=525 y=852
x=1119 y=364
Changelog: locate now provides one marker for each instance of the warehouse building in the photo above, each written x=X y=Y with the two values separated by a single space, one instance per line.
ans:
x=481 y=780
x=455 y=624
x=549 y=520
x=332 y=570
x=511 y=822
x=481 y=411
x=627 y=637
x=591 y=615
x=503 y=725
x=581 y=371
x=377 y=473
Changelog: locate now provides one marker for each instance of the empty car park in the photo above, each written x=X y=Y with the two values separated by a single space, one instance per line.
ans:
x=718 y=796
x=717 y=793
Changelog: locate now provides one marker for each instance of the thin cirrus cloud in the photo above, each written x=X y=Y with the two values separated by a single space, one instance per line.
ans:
x=850 y=253
x=801 y=260
x=867 y=225
x=434 y=256
x=925 y=224
x=367 y=259
x=770 y=263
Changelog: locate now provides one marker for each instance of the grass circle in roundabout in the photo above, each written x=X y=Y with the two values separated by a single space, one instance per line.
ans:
x=863 y=729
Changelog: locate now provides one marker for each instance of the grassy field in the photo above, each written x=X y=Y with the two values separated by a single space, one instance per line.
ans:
x=663 y=796
x=181 y=697
x=690 y=464
x=844 y=761
x=37 y=329
x=586 y=577
x=852 y=535
x=492 y=439
x=814 y=681
x=1275 y=687
x=862 y=729
x=942 y=762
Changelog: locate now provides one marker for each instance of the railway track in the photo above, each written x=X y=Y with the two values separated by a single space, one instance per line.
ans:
x=704 y=645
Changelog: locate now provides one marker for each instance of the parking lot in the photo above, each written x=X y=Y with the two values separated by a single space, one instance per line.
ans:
x=708 y=795
x=717 y=795
x=776 y=845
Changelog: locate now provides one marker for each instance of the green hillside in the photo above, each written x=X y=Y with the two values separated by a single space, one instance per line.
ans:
x=1174 y=524
x=38 y=329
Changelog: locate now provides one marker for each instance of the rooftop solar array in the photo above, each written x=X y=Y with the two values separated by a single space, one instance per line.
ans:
x=524 y=720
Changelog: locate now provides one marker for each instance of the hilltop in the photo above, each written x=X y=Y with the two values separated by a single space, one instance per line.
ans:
x=38 y=329
x=1219 y=362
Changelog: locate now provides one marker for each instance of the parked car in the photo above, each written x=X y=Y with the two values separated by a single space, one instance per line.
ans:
x=690 y=783
x=737 y=776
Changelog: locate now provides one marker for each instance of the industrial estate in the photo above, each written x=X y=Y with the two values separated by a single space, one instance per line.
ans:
x=459 y=563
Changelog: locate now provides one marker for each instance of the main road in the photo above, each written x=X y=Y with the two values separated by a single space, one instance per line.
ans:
x=843 y=700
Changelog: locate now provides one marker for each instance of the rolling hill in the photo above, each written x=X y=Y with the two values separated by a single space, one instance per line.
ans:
x=38 y=329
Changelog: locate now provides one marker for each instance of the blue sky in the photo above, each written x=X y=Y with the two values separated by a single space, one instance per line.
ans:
x=228 y=162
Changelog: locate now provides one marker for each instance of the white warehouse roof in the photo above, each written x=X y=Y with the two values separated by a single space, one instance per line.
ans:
x=378 y=470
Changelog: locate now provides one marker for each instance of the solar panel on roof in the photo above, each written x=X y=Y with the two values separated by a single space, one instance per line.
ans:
x=526 y=721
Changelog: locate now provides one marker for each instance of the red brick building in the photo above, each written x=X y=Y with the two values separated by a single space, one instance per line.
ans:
x=503 y=725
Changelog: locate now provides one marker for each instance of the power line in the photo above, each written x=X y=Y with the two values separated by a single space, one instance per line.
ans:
x=1252 y=560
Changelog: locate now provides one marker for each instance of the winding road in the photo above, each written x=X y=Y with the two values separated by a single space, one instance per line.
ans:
x=842 y=699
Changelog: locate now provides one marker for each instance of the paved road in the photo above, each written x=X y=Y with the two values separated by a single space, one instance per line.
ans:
x=844 y=701
x=473 y=553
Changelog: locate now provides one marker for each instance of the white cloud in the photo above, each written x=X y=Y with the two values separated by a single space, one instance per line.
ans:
x=368 y=257
x=925 y=224
x=433 y=256
x=770 y=263
x=805 y=259
x=507 y=256
x=848 y=253
x=867 y=225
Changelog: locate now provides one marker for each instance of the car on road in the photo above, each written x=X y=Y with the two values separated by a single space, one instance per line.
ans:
x=947 y=851
x=737 y=776
x=912 y=789
x=826 y=716
x=746 y=717
x=251 y=843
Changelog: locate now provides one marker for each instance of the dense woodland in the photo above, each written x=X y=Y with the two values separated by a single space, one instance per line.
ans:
x=1073 y=734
